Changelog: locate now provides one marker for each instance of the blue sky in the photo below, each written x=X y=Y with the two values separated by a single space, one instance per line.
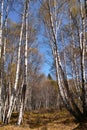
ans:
x=45 y=51
x=14 y=16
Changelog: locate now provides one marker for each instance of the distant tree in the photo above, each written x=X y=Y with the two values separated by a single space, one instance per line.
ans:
x=49 y=77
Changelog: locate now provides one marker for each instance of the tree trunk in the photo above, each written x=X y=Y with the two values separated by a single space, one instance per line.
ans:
x=82 y=47
x=85 y=7
x=20 y=113
x=13 y=96
x=1 y=26
x=25 y=64
x=63 y=86
x=1 y=36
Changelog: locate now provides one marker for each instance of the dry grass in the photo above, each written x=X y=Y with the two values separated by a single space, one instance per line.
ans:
x=45 y=120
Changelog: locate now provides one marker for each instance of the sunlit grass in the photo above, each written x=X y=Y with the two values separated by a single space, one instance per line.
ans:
x=42 y=120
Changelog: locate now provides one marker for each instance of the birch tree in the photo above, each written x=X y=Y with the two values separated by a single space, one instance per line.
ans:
x=53 y=27
x=3 y=60
x=85 y=7
x=25 y=65
x=13 y=97
x=82 y=48
x=1 y=36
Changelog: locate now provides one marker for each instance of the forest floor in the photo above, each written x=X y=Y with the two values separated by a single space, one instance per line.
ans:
x=45 y=120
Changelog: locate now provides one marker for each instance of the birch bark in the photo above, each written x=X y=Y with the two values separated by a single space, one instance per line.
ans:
x=3 y=63
x=82 y=47
x=85 y=7
x=25 y=64
x=75 y=70
x=1 y=26
x=13 y=96
x=68 y=100
x=1 y=36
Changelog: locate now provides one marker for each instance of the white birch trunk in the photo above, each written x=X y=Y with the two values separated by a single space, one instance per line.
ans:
x=13 y=97
x=83 y=45
x=5 y=103
x=54 y=31
x=67 y=99
x=28 y=98
x=5 y=39
x=25 y=63
x=74 y=64
x=85 y=7
x=1 y=28
x=20 y=113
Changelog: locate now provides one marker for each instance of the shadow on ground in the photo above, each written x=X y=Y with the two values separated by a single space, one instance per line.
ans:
x=81 y=126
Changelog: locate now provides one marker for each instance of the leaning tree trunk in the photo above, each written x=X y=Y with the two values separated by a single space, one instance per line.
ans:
x=65 y=93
